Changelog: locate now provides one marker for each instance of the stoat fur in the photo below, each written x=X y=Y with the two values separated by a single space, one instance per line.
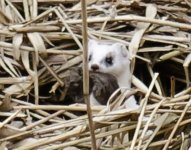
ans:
x=112 y=58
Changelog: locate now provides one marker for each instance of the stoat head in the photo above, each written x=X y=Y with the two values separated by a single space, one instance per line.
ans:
x=110 y=58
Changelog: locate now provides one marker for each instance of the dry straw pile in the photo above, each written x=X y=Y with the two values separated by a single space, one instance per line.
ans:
x=40 y=40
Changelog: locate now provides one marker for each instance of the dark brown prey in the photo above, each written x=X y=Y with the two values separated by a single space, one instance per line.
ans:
x=102 y=85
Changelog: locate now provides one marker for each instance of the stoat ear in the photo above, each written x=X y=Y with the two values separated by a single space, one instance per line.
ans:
x=122 y=48
x=91 y=42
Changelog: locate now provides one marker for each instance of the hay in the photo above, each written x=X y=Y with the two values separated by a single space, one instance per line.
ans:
x=41 y=40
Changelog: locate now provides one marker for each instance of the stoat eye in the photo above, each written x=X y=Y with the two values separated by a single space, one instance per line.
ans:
x=109 y=60
x=90 y=57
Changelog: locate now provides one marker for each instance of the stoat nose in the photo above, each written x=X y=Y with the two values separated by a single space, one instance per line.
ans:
x=94 y=67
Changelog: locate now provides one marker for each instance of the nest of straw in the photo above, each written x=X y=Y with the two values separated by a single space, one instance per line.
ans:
x=41 y=40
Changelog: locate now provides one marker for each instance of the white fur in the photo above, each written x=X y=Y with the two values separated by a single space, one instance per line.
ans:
x=93 y=100
x=120 y=67
x=131 y=103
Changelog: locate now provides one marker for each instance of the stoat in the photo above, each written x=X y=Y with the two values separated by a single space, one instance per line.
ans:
x=112 y=58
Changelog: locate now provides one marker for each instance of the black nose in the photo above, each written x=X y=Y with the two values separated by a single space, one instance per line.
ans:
x=94 y=67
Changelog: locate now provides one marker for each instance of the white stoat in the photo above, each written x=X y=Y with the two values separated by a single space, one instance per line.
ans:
x=112 y=58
